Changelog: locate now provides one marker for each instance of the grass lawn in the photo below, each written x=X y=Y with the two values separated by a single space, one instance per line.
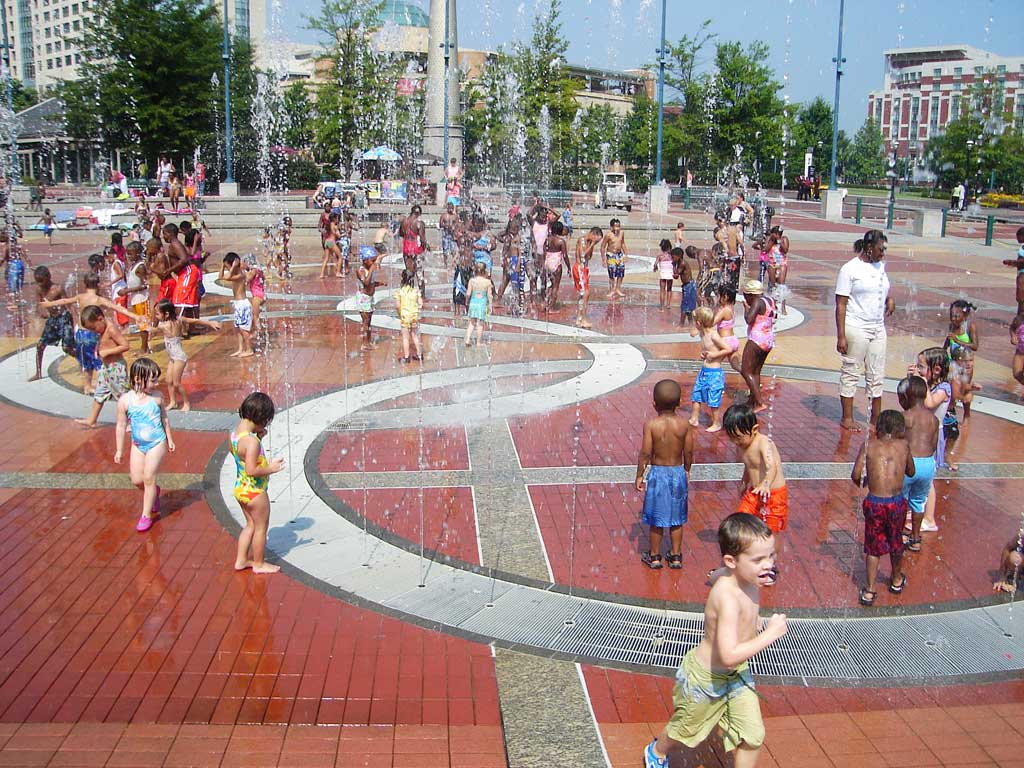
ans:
x=877 y=192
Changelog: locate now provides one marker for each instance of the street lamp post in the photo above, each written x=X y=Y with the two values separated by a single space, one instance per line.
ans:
x=447 y=74
x=226 y=55
x=892 y=176
x=839 y=60
x=661 y=94
x=968 y=176
x=979 y=143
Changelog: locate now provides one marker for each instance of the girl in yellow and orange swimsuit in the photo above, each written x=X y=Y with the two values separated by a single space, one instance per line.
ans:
x=252 y=480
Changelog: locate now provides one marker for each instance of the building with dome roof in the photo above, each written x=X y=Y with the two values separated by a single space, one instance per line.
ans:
x=404 y=13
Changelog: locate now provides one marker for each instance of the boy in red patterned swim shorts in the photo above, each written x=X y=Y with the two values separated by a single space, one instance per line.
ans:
x=764 y=492
x=881 y=465
x=581 y=272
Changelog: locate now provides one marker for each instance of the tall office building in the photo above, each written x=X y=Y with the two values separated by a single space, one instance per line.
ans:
x=44 y=35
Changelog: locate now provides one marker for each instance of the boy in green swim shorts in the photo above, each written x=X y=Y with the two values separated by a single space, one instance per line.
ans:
x=713 y=684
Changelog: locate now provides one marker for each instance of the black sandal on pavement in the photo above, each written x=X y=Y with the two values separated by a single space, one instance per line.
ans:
x=864 y=597
x=675 y=562
x=914 y=544
x=651 y=561
x=897 y=589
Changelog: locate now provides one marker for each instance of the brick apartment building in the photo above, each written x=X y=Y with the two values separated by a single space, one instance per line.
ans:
x=926 y=88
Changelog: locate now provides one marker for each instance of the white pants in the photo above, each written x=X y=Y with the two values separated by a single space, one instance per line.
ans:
x=865 y=354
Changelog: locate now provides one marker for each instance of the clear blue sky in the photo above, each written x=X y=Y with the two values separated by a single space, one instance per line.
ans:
x=620 y=34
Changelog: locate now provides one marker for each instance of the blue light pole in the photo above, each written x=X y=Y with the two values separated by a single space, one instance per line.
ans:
x=661 y=94
x=447 y=74
x=226 y=55
x=839 y=60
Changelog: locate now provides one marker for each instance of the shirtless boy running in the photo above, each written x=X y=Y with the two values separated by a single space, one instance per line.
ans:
x=763 y=491
x=714 y=686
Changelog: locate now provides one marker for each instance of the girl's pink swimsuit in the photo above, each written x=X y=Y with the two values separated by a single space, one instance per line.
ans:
x=731 y=341
x=762 y=331
x=256 y=286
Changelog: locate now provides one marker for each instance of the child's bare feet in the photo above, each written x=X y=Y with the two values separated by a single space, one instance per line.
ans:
x=714 y=428
x=243 y=565
x=694 y=422
x=37 y=377
x=85 y=423
x=172 y=406
x=265 y=568
x=186 y=408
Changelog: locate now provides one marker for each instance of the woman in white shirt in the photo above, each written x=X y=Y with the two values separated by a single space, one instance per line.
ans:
x=862 y=304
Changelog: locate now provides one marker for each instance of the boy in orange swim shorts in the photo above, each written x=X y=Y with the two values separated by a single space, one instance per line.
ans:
x=764 y=486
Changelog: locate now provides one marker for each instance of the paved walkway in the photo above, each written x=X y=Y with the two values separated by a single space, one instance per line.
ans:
x=499 y=478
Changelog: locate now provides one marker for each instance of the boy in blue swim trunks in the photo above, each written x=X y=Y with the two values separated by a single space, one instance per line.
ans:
x=665 y=458
x=710 y=384
x=49 y=222
x=923 y=436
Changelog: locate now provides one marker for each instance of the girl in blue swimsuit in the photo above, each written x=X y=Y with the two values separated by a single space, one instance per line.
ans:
x=151 y=435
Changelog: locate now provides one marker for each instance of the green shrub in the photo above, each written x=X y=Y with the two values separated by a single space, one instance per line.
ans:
x=302 y=173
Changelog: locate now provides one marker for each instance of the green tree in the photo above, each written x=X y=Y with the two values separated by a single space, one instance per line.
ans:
x=298 y=108
x=957 y=155
x=1006 y=159
x=596 y=134
x=23 y=97
x=683 y=60
x=813 y=131
x=685 y=135
x=146 y=88
x=249 y=130
x=747 y=112
x=639 y=141
x=866 y=163
x=546 y=88
x=491 y=122
x=352 y=106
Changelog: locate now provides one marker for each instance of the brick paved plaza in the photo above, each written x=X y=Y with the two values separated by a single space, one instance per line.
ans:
x=510 y=464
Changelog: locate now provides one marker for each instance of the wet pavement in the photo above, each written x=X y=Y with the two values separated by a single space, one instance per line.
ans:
x=124 y=649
